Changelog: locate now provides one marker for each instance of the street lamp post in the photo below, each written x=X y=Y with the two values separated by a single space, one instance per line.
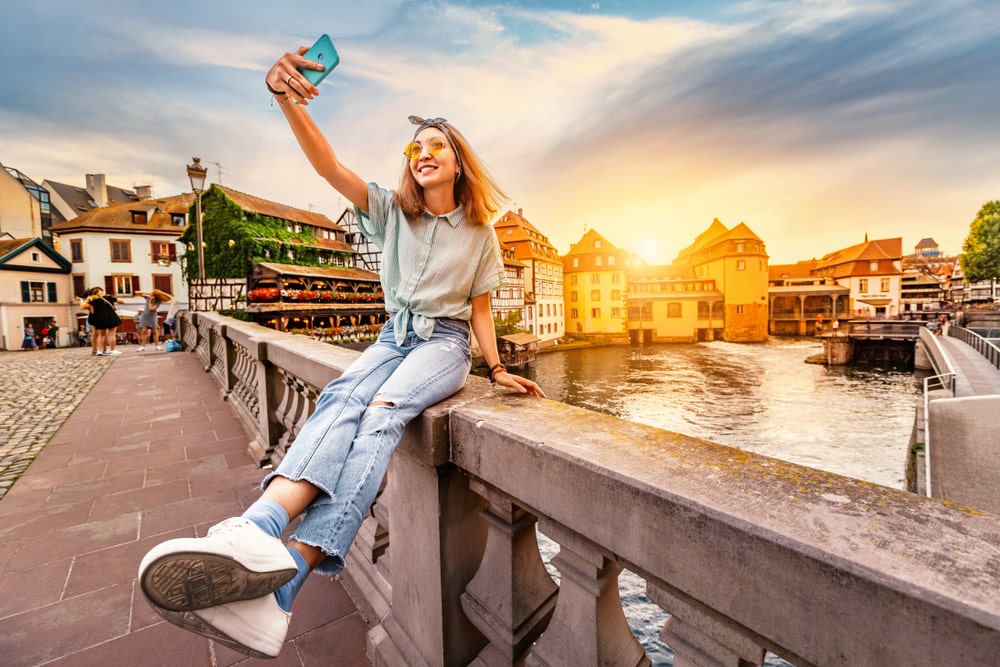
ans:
x=197 y=173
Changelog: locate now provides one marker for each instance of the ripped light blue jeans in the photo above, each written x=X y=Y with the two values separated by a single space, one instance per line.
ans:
x=344 y=447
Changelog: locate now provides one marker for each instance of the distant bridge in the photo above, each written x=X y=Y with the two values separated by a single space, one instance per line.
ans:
x=959 y=420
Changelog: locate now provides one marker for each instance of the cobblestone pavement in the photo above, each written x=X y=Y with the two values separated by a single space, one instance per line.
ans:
x=39 y=391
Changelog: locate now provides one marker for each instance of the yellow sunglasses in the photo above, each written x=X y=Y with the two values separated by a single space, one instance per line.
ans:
x=434 y=146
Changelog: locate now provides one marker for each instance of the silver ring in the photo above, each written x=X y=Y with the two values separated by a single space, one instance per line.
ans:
x=288 y=81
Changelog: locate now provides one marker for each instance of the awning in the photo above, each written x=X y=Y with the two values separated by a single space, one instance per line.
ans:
x=878 y=303
x=520 y=339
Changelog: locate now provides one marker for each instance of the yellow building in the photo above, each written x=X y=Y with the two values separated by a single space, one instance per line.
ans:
x=714 y=288
x=594 y=288
x=667 y=304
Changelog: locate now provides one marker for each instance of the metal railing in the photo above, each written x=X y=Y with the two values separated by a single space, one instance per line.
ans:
x=944 y=381
x=977 y=342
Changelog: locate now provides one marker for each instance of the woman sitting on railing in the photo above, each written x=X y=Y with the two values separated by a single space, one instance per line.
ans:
x=440 y=261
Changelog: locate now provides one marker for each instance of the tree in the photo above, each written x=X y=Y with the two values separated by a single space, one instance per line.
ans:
x=981 y=250
x=508 y=325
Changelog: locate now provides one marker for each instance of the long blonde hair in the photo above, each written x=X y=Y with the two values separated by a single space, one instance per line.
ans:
x=476 y=189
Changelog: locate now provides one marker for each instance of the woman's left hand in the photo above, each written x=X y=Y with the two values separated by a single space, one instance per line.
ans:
x=523 y=385
x=284 y=78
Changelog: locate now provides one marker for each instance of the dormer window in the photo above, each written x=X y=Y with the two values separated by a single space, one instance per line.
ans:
x=139 y=218
x=177 y=219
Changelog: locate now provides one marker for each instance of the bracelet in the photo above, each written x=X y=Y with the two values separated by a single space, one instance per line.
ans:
x=273 y=91
x=494 y=369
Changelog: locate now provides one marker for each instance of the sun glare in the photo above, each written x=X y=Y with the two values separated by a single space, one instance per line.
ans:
x=649 y=251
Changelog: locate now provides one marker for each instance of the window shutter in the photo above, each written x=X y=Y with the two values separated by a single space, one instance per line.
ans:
x=135 y=284
x=154 y=250
x=25 y=291
x=163 y=283
x=173 y=252
x=52 y=292
x=109 y=285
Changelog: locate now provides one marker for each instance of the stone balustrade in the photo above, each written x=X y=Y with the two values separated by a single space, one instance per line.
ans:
x=745 y=552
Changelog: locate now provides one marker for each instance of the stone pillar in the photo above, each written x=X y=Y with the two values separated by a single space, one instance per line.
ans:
x=436 y=543
x=702 y=639
x=512 y=596
x=588 y=628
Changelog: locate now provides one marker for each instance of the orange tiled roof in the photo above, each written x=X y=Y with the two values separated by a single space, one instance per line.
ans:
x=118 y=217
x=276 y=210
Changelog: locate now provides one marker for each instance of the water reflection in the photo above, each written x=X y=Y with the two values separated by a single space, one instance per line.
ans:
x=760 y=397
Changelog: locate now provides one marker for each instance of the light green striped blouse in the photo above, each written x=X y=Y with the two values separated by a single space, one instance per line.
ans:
x=431 y=266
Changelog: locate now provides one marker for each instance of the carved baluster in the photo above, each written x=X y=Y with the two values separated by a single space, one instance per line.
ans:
x=373 y=537
x=700 y=638
x=589 y=626
x=203 y=341
x=238 y=365
x=295 y=408
x=218 y=356
x=244 y=372
x=287 y=412
x=512 y=597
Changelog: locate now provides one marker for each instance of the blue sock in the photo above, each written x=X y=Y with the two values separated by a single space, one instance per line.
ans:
x=268 y=515
x=286 y=594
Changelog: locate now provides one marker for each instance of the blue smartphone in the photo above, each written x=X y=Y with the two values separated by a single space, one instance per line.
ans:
x=323 y=53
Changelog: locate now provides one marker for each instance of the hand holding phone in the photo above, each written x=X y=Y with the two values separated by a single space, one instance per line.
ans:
x=323 y=53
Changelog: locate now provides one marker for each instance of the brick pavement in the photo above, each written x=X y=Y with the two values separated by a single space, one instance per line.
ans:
x=128 y=451
x=49 y=383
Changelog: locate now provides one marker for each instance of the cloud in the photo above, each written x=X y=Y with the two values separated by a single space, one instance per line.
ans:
x=849 y=115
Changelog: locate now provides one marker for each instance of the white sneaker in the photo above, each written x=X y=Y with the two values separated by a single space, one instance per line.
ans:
x=235 y=561
x=141 y=348
x=112 y=352
x=159 y=347
x=255 y=627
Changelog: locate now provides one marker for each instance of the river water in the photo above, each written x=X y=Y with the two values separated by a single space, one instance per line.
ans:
x=761 y=398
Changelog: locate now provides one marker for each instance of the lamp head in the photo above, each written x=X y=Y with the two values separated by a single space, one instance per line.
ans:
x=197 y=174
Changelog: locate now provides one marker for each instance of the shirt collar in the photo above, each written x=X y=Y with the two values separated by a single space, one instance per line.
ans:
x=455 y=218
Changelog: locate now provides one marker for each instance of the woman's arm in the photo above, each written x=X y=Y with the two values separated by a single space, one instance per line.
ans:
x=283 y=77
x=486 y=336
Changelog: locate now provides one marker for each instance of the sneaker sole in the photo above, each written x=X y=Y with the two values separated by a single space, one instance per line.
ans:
x=188 y=620
x=187 y=581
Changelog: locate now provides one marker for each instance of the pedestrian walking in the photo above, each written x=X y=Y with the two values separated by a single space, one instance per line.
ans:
x=53 y=335
x=29 y=343
x=440 y=262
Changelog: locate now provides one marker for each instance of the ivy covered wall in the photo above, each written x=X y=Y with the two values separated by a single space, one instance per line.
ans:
x=236 y=239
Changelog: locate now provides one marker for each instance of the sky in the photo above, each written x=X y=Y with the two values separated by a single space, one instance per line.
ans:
x=816 y=123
